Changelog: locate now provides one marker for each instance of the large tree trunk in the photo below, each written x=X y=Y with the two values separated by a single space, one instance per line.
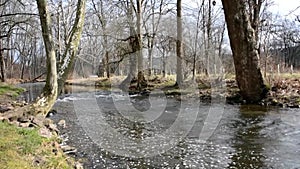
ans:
x=72 y=46
x=179 y=78
x=243 y=43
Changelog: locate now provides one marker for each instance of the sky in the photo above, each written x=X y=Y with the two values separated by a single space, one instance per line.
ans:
x=281 y=7
x=285 y=7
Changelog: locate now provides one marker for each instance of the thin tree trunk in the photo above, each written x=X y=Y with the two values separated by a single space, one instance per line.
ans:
x=2 y=64
x=107 y=66
x=23 y=69
x=179 y=78
x=244 y=47
x=141 y=78
x=164 y=56
x=210 y=59
x=195 y=45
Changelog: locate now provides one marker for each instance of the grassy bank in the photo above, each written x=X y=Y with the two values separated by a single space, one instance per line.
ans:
x=9 y=90
x=24 y=147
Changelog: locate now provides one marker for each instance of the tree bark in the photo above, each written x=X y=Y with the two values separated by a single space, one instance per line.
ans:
x=179 y=77
x=72 y=45
x=245 y=52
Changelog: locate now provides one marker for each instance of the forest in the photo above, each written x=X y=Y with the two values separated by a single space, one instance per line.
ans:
x=146 y=45
x=122 y=38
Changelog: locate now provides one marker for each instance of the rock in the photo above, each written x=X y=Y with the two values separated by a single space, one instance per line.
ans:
x=62 y=123
x=68 y=149
x=38 y=120
x=53 y=127
x=16 y=123
x=44 y=132
x=293 y=106
x=4 y=108
x=24 y=125
x=47 y=122
x=51 y=113
x=23 y=119
x=78 y=165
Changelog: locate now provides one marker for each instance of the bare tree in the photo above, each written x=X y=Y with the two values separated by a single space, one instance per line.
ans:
x=11 y=16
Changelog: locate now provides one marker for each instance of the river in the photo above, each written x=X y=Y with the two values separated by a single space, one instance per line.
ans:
x=108 y=133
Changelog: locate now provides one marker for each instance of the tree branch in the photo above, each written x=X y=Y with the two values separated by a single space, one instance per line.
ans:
x=15 y=14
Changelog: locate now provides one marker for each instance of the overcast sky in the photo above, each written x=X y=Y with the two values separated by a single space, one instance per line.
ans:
x=282 y=7
x=285 y=7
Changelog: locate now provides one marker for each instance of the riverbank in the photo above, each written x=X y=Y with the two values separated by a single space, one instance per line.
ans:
x=284 y=91
x=28 y=146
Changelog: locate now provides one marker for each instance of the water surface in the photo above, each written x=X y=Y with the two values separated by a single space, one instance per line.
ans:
x=245 y=137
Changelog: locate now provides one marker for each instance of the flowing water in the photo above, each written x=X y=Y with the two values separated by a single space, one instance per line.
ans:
x=110 y=134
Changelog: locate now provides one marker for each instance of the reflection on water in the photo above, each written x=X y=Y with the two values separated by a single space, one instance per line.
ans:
x=246 y=137
x=247 y=140
x=33 y=90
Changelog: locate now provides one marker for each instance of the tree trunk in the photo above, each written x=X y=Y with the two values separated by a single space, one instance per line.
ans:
x=102 y=19
x=195 y=44
x=72 y=46
x=209 y=54
x=245 y=52
x=107 y=67
x=2 y=65
x=48 y=97
x=164 y=56
x=179 y=78
x=133 y=43
x=141 y=78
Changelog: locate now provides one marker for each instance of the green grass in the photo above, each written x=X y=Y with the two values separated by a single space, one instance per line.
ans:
x=19 y=148
x=10 y=90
